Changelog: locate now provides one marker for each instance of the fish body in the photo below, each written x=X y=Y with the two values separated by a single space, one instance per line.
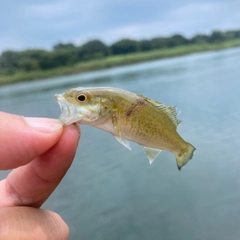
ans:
x=127 y=116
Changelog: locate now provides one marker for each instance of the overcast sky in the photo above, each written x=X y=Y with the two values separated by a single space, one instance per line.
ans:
x=44 y=23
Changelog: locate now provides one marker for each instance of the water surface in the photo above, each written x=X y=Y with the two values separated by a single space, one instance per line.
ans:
x=113 y=193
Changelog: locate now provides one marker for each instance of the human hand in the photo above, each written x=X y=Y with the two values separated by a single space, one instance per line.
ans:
x=40 y=151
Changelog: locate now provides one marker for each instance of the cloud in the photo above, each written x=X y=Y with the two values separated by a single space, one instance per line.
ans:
x=42 y=24
x=45 y=10
x=197 y=9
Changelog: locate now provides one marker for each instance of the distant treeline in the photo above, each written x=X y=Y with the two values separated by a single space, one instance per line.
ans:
x=69 y=54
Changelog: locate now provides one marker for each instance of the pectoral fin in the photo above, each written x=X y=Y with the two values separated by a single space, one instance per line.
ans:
x=124 y=142
x=151 y=153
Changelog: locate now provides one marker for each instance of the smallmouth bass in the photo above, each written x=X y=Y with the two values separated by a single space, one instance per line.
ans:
x=127 y=116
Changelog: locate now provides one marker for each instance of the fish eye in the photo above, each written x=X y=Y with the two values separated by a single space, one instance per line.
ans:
x=82 y=98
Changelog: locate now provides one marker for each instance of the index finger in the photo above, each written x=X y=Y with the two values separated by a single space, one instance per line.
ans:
x=32 y=184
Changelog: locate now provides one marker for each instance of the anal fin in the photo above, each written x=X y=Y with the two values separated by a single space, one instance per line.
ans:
x=151 y=153
x=124 y=142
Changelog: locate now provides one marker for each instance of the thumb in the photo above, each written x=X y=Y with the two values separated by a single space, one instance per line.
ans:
x=22 y=139
x=18 y=223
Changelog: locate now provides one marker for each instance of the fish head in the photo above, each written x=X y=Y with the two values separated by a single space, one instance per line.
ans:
x=81 y=105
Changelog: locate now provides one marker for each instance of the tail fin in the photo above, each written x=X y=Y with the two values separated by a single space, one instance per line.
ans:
x=185 y=155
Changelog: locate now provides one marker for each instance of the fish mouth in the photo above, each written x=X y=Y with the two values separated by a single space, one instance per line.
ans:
x=68 y=115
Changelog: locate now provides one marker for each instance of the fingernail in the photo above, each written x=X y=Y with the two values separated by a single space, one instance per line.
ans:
x=45 y=125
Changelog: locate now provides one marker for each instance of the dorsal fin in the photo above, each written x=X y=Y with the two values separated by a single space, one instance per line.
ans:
x=170 y=111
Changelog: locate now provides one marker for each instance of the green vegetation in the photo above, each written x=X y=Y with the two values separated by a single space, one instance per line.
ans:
x=69 y=59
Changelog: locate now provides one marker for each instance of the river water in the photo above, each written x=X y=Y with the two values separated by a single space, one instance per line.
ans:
x=113 y=193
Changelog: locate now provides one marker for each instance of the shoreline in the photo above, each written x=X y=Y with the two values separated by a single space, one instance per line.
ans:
x=117 y=60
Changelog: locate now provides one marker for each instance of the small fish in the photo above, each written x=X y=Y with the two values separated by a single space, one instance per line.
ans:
x=127 y=116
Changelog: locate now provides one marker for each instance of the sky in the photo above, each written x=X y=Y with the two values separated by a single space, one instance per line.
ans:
x=42 y=24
